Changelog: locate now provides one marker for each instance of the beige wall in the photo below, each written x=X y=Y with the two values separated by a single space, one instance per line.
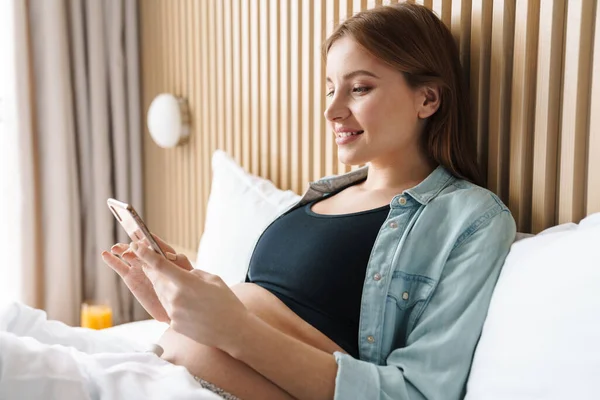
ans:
x=253 y=75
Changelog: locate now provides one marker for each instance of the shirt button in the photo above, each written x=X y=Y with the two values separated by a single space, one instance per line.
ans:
x=377 y=277
x=393 y=225
x=405 y=296
x=402 y=201
x=370 y=339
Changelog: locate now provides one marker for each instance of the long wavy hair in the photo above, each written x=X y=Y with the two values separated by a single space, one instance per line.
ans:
x=413 y=40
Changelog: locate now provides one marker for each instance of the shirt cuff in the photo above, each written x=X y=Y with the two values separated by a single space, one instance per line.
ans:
x=355 y=379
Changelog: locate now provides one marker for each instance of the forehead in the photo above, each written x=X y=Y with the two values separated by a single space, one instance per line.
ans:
x=346 y=55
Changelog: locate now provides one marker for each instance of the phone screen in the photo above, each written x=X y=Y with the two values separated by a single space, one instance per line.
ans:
x=132 y=223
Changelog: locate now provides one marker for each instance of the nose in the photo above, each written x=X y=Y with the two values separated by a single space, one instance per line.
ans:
x=336 y=110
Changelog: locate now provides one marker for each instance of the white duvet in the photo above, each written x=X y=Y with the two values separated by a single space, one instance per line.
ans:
x=41 y=359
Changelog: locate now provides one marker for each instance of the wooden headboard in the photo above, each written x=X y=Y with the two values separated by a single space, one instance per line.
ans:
x=254 y=78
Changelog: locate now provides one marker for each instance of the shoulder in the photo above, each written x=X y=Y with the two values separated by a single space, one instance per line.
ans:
x=467 y=196
x=462 y=209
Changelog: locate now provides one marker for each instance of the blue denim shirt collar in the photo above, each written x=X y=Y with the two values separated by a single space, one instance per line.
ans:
x=423 y=193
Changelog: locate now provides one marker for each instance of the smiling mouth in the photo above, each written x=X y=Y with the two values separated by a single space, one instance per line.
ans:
x=346 y=134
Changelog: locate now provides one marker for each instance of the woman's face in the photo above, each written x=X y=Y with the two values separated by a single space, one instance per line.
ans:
x=372 y=111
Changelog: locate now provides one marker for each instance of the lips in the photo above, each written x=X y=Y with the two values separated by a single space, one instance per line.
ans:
x=348 y=133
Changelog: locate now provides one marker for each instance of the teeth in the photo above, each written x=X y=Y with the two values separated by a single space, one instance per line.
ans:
x=346 y=134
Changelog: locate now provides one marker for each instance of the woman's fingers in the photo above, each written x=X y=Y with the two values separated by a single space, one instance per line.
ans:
x=119 y=249
x=130 y=257
x=180 y=260
x=115 y=263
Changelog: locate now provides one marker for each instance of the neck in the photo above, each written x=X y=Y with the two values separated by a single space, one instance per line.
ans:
x=399 y=175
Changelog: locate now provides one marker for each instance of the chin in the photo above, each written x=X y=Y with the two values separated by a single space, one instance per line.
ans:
x=351 y=159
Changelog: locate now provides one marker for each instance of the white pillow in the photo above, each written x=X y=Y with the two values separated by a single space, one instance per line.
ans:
x=240 y=207
x=541 y=338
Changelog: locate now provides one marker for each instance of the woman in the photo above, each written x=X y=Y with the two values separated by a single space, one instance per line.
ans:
x=377 y=283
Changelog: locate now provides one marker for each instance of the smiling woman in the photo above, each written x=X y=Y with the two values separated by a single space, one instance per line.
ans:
x=9 y=178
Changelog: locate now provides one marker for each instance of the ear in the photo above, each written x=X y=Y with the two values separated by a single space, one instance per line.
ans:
x=429 y=101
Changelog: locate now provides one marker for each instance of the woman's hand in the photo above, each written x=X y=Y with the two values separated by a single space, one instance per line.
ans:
x=200 y=305
x=124 y=261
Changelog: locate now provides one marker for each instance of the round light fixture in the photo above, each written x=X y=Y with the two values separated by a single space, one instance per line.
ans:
x=169 y=120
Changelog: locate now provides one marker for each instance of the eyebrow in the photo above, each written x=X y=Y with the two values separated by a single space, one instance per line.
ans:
x=352 y=74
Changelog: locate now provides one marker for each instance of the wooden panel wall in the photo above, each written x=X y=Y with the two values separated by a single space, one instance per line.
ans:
x=254 y=78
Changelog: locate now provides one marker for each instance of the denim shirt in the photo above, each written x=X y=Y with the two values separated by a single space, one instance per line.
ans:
x=427 y=288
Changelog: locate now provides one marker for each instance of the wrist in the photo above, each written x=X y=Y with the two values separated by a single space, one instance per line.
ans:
x=247 y=327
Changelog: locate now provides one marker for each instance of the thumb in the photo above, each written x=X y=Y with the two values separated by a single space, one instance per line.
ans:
x=180 y=260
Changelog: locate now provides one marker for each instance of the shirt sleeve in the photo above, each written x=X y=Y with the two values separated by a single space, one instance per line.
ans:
x=437 y=357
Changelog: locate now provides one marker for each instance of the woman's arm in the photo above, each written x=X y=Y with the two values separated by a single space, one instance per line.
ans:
x=303 y=371
x=437 y=357
x=196 y=302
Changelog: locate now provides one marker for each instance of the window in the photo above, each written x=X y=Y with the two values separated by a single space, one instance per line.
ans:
x=10 y=213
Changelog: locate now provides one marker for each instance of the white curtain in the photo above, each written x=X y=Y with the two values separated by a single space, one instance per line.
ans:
x=80 y=143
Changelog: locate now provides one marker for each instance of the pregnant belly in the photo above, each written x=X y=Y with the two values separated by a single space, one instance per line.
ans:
x=205 y=362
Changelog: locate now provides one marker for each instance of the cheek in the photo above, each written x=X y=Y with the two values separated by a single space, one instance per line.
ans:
x=382 y=116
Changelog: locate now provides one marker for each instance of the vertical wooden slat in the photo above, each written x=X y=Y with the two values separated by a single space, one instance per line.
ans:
x=190 y=166
x=160 y=162
x=575 y=108
x=461 y=30
x=264 y=69
x=274 y=82
x=296 y=89
x=522 y=111
x=481 y=43
x=155 y=197
x=220 y=88
x=213 y=84
x=286 y=93
x=255 y=89
x=547 y=113
x=148 y=52
x=195 y=142
x=318 y=127
x=307 y=93
x=237 y=82
x=168 y=83
x=503 y=22
x=185 y=150
x=593 y=156
x=246 y=128
x=228 y=71
x=206 y=111
x=174 y=154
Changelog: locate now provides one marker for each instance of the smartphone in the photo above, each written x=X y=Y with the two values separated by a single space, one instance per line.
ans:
x=132 y=223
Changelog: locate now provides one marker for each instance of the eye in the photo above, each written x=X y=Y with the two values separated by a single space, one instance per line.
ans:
x=361 y=89
x=329 y=94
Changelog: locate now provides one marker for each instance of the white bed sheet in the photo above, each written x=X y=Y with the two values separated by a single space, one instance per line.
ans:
x=42 y=359
x=145 y=332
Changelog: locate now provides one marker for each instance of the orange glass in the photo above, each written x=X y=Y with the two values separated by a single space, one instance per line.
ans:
x=96 y=316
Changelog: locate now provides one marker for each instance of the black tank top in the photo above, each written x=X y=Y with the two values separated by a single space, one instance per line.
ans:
x=316 y=264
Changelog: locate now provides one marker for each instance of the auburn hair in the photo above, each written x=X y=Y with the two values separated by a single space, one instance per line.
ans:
x=413 y=40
